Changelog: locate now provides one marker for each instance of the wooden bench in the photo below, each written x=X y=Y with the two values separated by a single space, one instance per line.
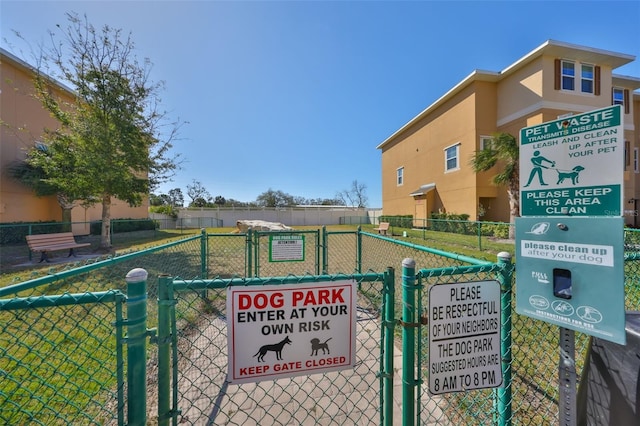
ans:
x=45 y=243
x=382 y=228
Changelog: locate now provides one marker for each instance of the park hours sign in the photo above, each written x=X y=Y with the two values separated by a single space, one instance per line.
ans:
x=573 y=165
x=464 y=336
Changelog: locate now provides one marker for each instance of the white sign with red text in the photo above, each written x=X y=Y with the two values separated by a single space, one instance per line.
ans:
x=287 y=330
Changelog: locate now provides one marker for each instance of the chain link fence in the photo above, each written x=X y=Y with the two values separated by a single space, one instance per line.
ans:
x=60 y=360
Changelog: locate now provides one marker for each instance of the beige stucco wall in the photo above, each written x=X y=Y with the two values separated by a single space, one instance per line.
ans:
x=421 y=153
x=485 y=103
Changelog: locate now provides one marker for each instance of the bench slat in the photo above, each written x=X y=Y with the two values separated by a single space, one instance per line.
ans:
x=382 y=228
x=50 y=242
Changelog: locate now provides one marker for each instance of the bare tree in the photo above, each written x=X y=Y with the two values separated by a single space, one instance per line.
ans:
x=356 y=196
x=196 y=191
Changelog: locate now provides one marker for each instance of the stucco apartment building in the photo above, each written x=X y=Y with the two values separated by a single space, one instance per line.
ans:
x=22 y=124
x=426 y=163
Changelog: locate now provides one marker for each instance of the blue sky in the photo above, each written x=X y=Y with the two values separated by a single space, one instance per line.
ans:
x=296 y=95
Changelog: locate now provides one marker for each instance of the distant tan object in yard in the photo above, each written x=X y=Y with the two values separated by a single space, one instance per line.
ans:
x=260 y=225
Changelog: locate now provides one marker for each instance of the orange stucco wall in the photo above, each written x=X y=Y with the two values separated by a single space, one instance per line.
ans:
x=23 y=123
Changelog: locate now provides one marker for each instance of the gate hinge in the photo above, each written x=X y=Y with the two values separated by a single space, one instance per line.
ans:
x=153 y=335
x=423 y=321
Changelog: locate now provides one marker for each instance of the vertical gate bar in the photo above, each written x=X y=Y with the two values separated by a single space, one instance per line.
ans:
x=359 y=251
x=317 y=251
x=408 y=341
x=164 y=346
x=479 y=235
x=325 y=250
x=504 y=392
x=174 y=356
x=248 y=249
x=204 y=265
x=388 y=330
x=120 y=360
x=256 y=253
x=136 y=347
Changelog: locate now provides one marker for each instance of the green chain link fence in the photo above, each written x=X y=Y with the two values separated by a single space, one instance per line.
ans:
x=61 y=358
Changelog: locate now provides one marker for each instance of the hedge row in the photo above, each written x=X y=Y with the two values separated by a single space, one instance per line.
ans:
x=16 y=232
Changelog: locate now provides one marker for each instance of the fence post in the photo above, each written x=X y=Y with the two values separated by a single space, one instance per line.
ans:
x=408 y=341
x=249 y=249
x=204 y=265
x=318 y=248
x=136 y=342
x=359 y=250
x=388 y=331
x=504 y=392
x=165 y=304
x=325 y=250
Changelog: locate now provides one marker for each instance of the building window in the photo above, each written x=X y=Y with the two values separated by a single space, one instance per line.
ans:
x=618 y=96
x=568 y=75
x=587 y=79
x=451 y=158
x=486 y=142
x=627 y=154
x=565 y=76
x=636 y=166
x=400 y=176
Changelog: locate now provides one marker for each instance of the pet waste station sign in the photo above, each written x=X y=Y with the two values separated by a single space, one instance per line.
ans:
x=286 y=248
x=573 y=165
x=278 y=331
x=464 y=336
x=570 y=273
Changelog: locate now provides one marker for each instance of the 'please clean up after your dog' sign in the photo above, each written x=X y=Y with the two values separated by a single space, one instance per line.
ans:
x=572 y=166
x=278 y=331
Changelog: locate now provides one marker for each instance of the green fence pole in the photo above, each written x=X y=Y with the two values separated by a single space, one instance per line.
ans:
x=479 y=235
x=389 y=347
x=359 y=251
x=204 y=265
x=249 y=249
x=325 y=250
x=408 y=341
x=317 y=251
x=136 y=342
x=165 y=304
x=504 y=392
x=120 y=359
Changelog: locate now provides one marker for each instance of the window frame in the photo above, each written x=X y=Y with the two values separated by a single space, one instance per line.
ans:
x=614 y=101
x=584 y=79
x=400 y=176
x=455 y=157
x=636 y=160
x=566 y=77
x=486 y=142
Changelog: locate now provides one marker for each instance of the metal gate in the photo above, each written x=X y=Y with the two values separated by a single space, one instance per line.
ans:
x=193 y=360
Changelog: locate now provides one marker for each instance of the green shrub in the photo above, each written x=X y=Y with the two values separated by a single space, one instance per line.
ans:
x=15 y=232
x=125 y=225
x=400 y=221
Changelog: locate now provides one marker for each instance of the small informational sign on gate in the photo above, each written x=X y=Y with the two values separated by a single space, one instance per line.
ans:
x=464 y=336
x=287 y=330
x=286 y=248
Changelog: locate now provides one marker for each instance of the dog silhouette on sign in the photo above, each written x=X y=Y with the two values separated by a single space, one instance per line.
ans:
x=277 y=348
x=316 y=346
x=572 y=174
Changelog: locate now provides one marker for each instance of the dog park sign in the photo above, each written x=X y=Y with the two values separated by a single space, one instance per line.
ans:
x=287 y=330
x=573 y=165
